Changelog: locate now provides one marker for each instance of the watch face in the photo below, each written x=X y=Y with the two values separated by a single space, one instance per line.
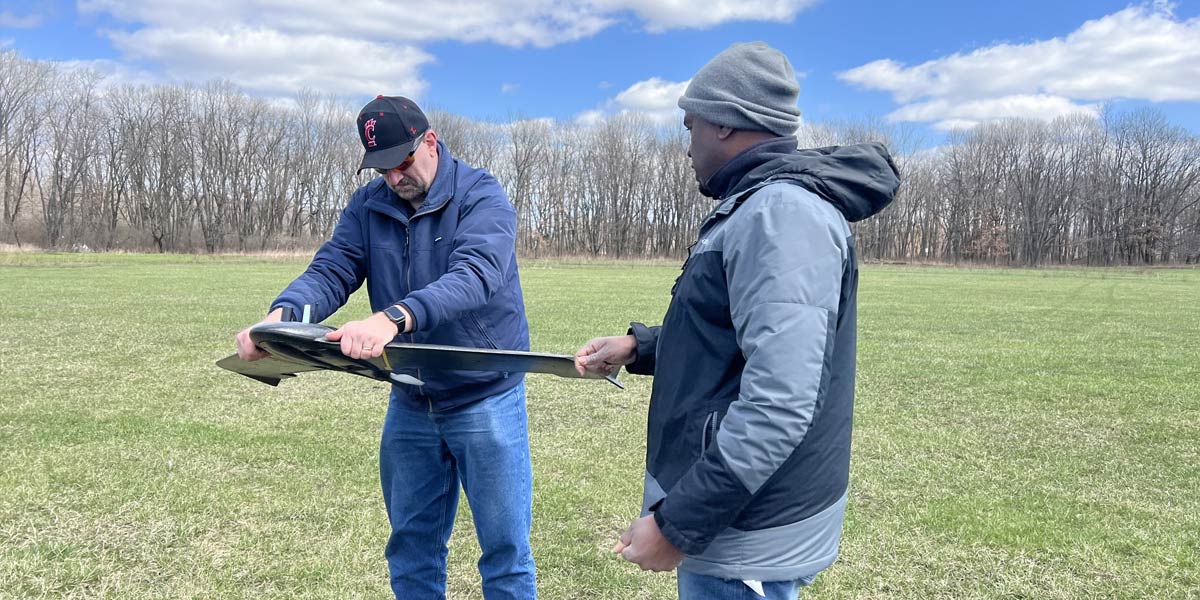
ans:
x=394 y=313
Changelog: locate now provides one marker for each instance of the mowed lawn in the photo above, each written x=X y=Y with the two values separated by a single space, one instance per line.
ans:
x=1018 y=434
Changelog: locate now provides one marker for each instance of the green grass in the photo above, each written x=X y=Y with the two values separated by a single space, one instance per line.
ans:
x=1019 y=434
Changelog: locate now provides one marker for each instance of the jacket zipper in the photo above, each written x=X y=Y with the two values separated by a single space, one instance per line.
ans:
x=487 y=338
x=408 y=285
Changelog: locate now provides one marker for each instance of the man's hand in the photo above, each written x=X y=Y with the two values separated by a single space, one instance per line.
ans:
x=365 y=339
x=644 y=545
x=606 y=355
x=246 y=350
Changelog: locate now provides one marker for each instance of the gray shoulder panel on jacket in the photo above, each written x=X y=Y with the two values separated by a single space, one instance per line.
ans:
x=784 y=252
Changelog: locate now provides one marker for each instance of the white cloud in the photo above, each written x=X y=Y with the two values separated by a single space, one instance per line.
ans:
x=509 y=88
x=8 y=19
x=965 y=114
x=654 y=98
x=589 y=118
x=269 y=61
x=114 y=73
x=1142 y=52
x=653 y=95
x=661 y=15
x=509 y=22
x=361 y=46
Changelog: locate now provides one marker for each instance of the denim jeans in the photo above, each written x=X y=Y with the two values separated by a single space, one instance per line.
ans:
x=693 y=586
x=423 y=457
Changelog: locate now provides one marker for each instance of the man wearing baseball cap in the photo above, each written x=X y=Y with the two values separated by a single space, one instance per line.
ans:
x=748 y=434
x=433 y=239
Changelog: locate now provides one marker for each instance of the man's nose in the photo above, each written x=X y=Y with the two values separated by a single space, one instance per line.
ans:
x=394 y=176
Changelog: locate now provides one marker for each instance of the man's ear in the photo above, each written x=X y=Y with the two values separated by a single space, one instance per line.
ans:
x=724 y=132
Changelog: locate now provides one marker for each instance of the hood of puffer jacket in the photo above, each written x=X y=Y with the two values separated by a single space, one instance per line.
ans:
x=859 y=179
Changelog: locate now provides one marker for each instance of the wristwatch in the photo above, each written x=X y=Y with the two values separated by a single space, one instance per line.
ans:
x=396 y=315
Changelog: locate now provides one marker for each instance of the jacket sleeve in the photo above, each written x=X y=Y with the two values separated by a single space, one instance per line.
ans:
x=784 y=254
x=647 y=348
x=336 y=271
x=479 y=262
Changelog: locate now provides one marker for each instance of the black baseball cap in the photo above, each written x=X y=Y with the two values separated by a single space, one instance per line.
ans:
x=390 y=128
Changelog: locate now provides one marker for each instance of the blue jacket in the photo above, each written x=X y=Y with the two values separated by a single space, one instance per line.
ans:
x=748 y=445
x=452 y=263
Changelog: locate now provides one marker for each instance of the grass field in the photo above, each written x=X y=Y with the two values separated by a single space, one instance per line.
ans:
x=1019 y=434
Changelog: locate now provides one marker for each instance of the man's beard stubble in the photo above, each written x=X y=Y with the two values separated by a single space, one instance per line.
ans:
x=409 y=189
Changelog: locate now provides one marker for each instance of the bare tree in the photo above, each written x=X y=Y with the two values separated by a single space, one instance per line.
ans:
x=159 y=167
x=477 y=143
x=529 y=152
x=21 y=84
x=155 y=122
x=68 y=141
x=109 y=171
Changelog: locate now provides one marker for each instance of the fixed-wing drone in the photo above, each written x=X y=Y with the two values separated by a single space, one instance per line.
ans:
x=299 y=347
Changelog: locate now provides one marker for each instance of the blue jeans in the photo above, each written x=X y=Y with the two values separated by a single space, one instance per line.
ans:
x=423 y=457
x=693 y=586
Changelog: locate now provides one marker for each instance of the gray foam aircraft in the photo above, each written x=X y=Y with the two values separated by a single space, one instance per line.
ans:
x=301 y=347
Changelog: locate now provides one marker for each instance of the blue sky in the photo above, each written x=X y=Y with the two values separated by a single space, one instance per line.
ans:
x=933 y=65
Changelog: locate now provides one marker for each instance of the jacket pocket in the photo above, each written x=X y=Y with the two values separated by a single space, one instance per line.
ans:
x=708 y=434
x=481 y=330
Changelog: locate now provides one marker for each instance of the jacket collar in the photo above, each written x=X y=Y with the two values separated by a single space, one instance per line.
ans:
x=723 y=182
x=444 y=184
x=381 y=198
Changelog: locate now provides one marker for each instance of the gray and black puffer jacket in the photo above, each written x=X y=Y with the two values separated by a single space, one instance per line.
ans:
x=748 y=446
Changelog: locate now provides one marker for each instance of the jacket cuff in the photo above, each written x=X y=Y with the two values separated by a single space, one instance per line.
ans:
x=297 y=312
x=676 y=538
x=416 y=309
x=647 y=346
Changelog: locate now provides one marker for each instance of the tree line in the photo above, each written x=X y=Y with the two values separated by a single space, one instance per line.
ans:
x=179 y=168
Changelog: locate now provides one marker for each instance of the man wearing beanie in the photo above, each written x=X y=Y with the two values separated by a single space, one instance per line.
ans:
x=433 y=238
x=748 y=434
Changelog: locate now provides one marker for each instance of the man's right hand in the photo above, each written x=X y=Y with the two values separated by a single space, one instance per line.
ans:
x=246 y=350
x=606 y=355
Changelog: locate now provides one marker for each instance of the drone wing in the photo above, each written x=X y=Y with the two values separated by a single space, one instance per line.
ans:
x=269 y=370
x=299 y=347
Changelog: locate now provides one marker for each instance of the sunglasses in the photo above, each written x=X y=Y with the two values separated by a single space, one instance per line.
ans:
x=408 y=160
x=402 y=167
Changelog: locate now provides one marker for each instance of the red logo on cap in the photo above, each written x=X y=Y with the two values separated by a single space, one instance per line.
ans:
x=369 y=132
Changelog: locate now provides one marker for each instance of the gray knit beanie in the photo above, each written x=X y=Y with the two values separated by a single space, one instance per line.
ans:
x=747 y=86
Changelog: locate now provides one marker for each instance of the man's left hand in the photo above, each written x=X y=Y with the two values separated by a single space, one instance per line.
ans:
x=644 y=545
x=366 y=338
